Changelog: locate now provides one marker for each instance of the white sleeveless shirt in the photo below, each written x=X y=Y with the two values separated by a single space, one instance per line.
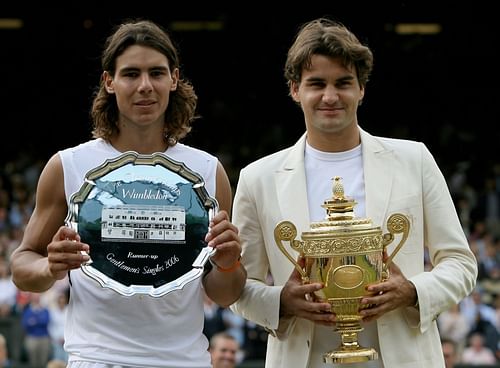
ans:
x=139 y=330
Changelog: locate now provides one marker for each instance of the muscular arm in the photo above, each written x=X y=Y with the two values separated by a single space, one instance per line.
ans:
x=224 y=288
x=48 y=249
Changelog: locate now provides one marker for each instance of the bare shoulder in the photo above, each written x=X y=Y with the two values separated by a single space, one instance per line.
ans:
x=51 y=182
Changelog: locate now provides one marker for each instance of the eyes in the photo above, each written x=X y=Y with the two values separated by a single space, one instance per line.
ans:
x=339 y=84
x=152 y=73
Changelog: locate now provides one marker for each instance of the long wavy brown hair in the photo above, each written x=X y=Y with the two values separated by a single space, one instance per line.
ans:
x=181 y=110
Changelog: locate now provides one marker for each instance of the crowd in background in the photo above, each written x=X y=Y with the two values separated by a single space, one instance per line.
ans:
x=470 y=330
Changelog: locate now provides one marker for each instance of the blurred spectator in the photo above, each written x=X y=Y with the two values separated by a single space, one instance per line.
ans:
x=32 y=172
x=235 y=325
x=478 y=230
x=4 y=190
x=255 y=341
x=481 y=318
x=22 y=300
x=55 y=363
x=35 y=321
x=22 y=204
x=50 y=297
x=4 y=219
x=453 y=326
x=476 y=353
x=496 y=303
x=491 y=260
x=4 y=356
x=13 y=239
x=213 y=318
x=449 y=352
x=485 y=250
x=224 y=349
x=8 y=290
x=464 y=208
x=56 y=327
x=478 y=247
x=488 y=205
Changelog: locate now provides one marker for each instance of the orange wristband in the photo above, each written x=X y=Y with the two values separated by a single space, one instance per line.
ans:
x=234 y=267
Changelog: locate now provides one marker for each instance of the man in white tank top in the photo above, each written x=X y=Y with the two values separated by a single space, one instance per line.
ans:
x=144 y=106
x=327 y=71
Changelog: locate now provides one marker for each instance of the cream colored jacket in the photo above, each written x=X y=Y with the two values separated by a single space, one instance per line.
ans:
x=400 y=176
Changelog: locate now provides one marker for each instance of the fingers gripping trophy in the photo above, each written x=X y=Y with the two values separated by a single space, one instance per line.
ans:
x=346 y=254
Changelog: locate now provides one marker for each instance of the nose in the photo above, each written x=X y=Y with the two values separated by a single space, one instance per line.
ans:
x=330 y=94
x=145 y=84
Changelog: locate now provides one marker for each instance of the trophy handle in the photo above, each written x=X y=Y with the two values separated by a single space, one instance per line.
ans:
x=396 y=224
x=287 y=231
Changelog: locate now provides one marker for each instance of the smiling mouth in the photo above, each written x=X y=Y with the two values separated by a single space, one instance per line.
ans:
x=145 y=104
x=330 y=111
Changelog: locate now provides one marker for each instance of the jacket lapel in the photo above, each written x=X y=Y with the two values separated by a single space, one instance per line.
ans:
x=378 y=172
x=290 y=181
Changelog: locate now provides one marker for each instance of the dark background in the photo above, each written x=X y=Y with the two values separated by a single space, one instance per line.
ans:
x=441 y=89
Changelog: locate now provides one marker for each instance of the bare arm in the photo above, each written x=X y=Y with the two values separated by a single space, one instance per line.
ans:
x=48 y=249
x=224 y=288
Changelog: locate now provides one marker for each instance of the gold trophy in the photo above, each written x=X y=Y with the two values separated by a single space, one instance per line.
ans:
x=346 y=254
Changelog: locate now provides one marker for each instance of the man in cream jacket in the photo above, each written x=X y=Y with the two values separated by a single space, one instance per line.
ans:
x=327 y=70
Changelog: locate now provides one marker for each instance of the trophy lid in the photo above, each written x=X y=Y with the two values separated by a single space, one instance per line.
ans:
x=340 y=213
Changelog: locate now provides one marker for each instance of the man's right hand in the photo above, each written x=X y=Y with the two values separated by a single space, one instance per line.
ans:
x=298 y=299
x=65 y=252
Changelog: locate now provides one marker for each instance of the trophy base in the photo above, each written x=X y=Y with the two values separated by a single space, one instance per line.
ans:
x=350 y=355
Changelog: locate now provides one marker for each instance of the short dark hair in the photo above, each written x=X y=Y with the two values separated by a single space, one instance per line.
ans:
x=330 y=38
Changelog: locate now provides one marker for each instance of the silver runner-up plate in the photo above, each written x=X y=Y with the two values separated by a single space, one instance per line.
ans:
x=145 y=218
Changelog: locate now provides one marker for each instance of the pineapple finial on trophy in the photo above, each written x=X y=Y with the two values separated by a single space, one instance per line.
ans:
x=339 y=207
x=338 y=188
